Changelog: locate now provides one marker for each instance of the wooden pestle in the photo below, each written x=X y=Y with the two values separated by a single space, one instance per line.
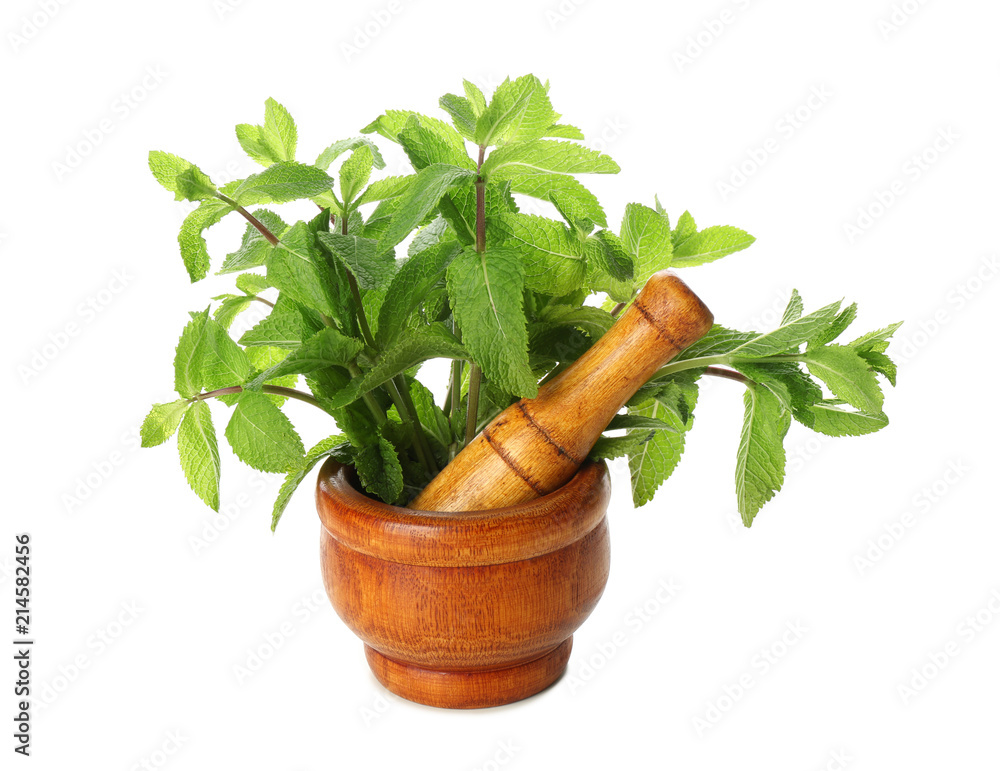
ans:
x=536 y=445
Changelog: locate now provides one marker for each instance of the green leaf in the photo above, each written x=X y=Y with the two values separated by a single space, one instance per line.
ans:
x=843 y=320
x=199 y=452
x=880 y=363
x=476 y=99
x=391 y=123
x=420 y=199
x=182 y=178
x=410 y=286
x=462 y=114
x=563 y=131
x=338 y=148
x=261 y=435
x=382 y=189
x=162 y=421
x=653 y=464
x=709 y=245
x=434 y=341
x=607 y=254
x=847 y=375
x=793 y=311
x=355 y=173
x=546 y=186
x=379 y=469
x=299 y=472
x=553 y=260
x=645 y=234
x=300 y=270
x=284 y=327
x=547 y=155
x=254 y=248
x=231 y=307
x=719 y=340
x=760 y=458
x=361 y=257
x=194 y=250
x=431 y=417
x=640 y=421
x=283 y=182
x=611 y=447
x=685 y=229
x=594 y=321
x=327 y=348
x=424 y=146
x=788 y=337
x=519 y=111
x=223 y=363
x=274 y=141
x=828 y=417
x=877 y=340
x=487 y=294
x=190 y=353
x=252 y=283
x=574 y=215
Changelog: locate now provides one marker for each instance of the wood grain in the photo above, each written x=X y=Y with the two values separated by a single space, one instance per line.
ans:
x=467 y=611
x=535 y=445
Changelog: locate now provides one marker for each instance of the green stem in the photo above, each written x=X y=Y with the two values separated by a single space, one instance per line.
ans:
x=404 y=403
x=475 y=379
x=367 y=398
x=291 y=393
x=271 y=238
x=723 y=359
x=259 y=299
x=728 y=374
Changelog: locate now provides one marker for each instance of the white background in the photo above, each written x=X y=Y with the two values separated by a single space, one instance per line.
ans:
x=165 y=674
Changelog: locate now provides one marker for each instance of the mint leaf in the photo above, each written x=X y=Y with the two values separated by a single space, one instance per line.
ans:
x=431 y=417
x=594 y=321
x=381 y=189
x=274 y=141
x=281 y=183
x=338 y=148
x=194 y=250
x=299 y=472
x=548 y=156
x=709 y=245
x=420 y=199
x=162 y=421
x=425 y=146
x=640 y=421
x=300 y=270
x=486 y=291
x=655 y=461
x=327 y=348
x=223 y=362
x=880 y=363
x=284 y=327
x=182 y=178
x=379 y=469
x=844 y=319
x=261 y=435
x=231 y=307
x=199 y=452
x=252 y=283
x=611 y=447
x=360 y=256
x=685 y=229
x=434 y=341
x=563 y=131
x=788 y=337
x=254 y=247
x=462 y=114
x=646 y=234
x=719 y=340
x=410 y=286
x=553 y=260
x=546 y=186
x=519 y=111
x=877 y=340
x=760 y=458
x=476 y=99
x=847 y=376
x=607 y=254
x=189 y=355
x=828 y=417
x=793 y=311
x=355 y=173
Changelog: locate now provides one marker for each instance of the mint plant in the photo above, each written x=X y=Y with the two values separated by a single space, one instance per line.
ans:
x=510 y=297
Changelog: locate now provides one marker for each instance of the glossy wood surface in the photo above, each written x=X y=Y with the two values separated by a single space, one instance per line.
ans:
x=468 y=610
x=535 y=445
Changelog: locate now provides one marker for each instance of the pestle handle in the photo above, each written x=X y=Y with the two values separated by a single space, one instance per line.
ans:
x=536 y=445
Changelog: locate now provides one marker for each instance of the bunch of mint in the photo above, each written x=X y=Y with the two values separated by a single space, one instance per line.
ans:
x=501 y=293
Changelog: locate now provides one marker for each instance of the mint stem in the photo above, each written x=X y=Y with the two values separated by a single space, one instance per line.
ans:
x=268 y=303
x=271 y=238
x=728 y=374
x=475 y=373
x=367 y=397
x=475 y=379
x=724 y=359
x=291 y=393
